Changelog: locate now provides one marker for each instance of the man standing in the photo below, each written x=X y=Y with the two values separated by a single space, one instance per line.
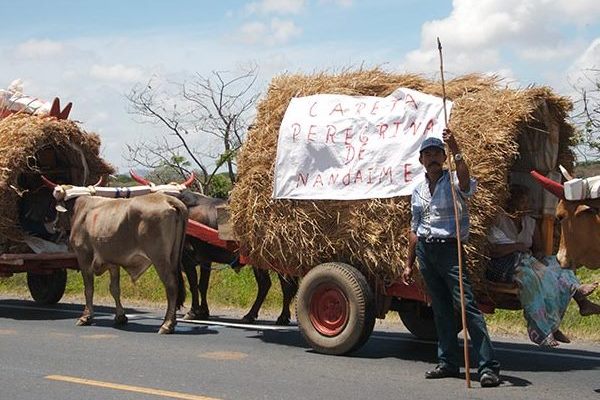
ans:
x=433 y=241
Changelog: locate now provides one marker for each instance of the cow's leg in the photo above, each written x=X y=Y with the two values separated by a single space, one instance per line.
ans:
x=189 y=267
x=205 y=269
x=87 y=273
x=115 y=291
x=289 y=288
x=168 y=276
x=263 y=280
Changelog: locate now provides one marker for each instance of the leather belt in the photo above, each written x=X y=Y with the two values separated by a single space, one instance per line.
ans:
x=436 y=240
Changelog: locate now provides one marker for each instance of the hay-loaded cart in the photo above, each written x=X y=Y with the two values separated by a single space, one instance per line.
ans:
x=350 y=254
x=31 y=146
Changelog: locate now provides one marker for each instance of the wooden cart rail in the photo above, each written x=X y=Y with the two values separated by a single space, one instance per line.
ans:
x=37 y=263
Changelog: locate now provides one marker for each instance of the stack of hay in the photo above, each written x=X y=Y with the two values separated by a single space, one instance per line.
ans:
x=24 y=140
x=293 y=236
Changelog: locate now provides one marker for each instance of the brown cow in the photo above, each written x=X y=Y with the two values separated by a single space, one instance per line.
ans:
x=580 y=227
x=203 y=209
x=134 y=233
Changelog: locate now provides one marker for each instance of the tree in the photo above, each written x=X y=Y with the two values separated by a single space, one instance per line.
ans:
x=587 y=116
x=214 y=111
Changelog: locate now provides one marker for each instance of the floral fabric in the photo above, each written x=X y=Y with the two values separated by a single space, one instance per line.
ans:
x=545 y=290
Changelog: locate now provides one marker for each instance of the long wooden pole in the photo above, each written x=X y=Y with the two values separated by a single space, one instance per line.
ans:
x=457 y=227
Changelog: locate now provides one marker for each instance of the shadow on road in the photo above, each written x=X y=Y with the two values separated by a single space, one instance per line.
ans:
x=26 y=310
x=514 y=357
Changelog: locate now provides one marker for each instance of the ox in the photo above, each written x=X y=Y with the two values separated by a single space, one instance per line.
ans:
x=134 y=233
x=580 y=227
x=203 y=209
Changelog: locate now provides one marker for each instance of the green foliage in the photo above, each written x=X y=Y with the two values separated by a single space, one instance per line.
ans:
x=122 y=180
x=220 y=186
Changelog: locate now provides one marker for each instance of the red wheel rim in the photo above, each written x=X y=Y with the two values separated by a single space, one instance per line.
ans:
x=328 y=310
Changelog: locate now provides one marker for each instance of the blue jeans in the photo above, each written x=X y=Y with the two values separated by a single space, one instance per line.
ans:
x=438 y=263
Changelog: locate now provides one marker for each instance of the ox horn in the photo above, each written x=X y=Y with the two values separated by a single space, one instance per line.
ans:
x=48 y=182
x=554 y=187
x=565 y=173
x=189 y=180
x=100 y=181
x=138 y=178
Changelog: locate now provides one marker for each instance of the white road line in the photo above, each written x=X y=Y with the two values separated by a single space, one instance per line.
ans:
x=241 y=326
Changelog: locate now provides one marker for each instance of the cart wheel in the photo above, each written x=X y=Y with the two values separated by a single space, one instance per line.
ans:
x=418 y=319
x=335 y=308
x=47 y=288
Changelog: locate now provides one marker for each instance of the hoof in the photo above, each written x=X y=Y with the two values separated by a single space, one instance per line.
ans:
x=248 y=319
x=282 y=321
x=166 y=330
x=121 y=319
x=196 y=315
x=83 y=321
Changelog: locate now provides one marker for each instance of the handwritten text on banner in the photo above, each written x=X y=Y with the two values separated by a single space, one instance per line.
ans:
x=354 y=147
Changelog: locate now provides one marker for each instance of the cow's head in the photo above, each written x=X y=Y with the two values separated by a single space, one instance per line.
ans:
x=37 y=214
x=580 y=227
x=63 y=206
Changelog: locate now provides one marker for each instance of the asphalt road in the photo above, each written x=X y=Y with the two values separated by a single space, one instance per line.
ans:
x=43 y=355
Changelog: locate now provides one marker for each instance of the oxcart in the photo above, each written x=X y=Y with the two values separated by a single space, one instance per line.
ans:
x=337 y=306
x=350 y=253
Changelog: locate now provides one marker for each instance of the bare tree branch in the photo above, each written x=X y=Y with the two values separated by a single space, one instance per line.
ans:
x=218 y=106
x=587 y=116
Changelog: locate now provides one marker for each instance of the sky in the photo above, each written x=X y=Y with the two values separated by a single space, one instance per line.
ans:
x=94 y=53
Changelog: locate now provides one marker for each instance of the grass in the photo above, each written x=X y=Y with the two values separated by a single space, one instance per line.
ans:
x=227 y=288
x=238 y=290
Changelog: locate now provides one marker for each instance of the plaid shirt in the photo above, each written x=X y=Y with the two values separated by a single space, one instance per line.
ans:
x=433 y=216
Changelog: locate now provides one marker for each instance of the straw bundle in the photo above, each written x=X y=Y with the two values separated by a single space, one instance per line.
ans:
x=292 y=236
x=33 y=145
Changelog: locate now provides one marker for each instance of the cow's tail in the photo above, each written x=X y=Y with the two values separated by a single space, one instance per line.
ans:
x=182 y=214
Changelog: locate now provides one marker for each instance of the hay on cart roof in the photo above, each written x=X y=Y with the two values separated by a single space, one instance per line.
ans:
x=489 y=121
x=33 y=145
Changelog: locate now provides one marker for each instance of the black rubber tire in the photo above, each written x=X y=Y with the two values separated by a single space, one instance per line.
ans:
x=360 y=308
x=47 y=288
x=370 y=319
x=418 y=319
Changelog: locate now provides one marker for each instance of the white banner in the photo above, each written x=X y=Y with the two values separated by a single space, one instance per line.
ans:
x=341 y=147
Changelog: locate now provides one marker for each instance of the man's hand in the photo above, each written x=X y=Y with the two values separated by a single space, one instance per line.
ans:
x=450 y=140
x=407 y=275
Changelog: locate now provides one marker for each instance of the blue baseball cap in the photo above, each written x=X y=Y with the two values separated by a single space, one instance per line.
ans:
x=432 y=142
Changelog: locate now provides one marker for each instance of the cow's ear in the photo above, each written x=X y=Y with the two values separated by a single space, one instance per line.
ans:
x=60 y=208
x=584 y=209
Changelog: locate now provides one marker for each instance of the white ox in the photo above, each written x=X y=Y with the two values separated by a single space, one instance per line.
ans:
x=106 y=233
